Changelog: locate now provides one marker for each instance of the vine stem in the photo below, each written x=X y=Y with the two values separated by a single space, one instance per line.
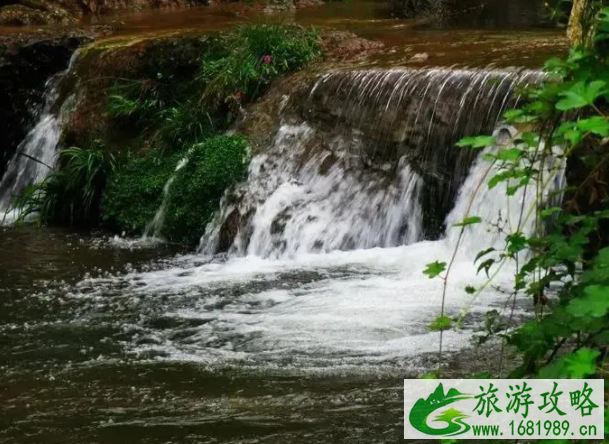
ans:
x=455 y=251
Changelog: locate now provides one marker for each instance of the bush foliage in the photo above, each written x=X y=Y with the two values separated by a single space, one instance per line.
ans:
x=235 y=68
x=244 y=62
x=72 y=194
x=136 y=191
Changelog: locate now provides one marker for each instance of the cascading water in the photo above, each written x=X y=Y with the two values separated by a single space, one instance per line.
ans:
x=323 y=203
x=36 y=155
x=369 y=162
x=328 y=236
x=155 y=226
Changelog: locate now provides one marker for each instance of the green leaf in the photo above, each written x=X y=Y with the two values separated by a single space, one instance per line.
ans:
x=516 y=243
x=595 y=303
x=577 y=365
x=477 y=142
x=441 y=323
x=497 y=179
x=486 y=266
x=550 y=211
x=483 y=253
x=470 y=290
x=600 y=270
x=597 y=125
x=468 y=221
x=509 y=154
x=434 y=269
x=518 y=116
x=581 y=94
x=580 y=364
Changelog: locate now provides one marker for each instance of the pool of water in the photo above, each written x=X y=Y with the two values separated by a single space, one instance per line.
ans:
x=106 y=340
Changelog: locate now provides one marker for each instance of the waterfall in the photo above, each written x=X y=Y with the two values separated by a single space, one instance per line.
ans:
x=367 y=160
x=494 y=207
x=328 y=236
x=154 y=227
x=36 y=155
x=324 y=203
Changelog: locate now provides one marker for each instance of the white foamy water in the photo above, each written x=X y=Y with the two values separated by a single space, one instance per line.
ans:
x=323 y=201
x=494 y=206
x=341 y=308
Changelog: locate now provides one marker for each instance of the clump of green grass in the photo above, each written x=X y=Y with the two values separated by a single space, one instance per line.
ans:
x=245 y=61
x=72 y=194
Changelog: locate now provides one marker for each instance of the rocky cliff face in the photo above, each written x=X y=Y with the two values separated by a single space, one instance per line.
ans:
x=26 y=64
x=40 y=12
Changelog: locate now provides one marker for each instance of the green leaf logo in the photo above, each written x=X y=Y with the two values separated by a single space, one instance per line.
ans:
x=424 y=410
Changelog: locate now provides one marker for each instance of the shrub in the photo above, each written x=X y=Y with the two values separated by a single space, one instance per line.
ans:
x=235 y=66
x=213 y=166
x=72 y=194
x=136 y=192
x=185 y=124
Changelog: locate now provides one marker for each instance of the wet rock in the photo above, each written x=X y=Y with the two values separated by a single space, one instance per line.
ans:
x=141 y=60
x=347 y=46
x=419 y=58
x=412 y=8
x=475 y=13
x=20 y=15
x=279 y=5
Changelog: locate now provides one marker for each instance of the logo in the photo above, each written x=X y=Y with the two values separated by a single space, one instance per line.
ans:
x=431 y=409
x=494 y=409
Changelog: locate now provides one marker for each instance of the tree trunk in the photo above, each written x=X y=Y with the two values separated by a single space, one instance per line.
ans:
x=575 y=30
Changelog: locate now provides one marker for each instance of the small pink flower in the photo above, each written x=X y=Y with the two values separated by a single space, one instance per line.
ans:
x=267 y=60
x=238 y=95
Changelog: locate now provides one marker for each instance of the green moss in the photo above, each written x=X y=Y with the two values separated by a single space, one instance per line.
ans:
x=136 y=192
